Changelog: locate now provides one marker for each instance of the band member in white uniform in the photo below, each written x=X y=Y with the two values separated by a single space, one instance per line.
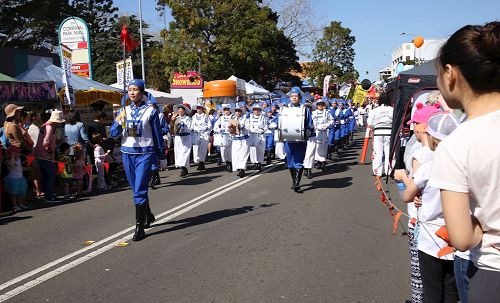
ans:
x=182 y=141
x=310 y=150
x=200 y=135
x=222 y=137
x=239 y=151
x=322 y=120
x=257 y=127
x=380 y=119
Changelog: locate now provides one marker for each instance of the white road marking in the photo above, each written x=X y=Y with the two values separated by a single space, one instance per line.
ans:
x=185 y=207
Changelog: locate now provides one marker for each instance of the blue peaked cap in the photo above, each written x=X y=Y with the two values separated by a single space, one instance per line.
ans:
x=138 y=82
x=295 y=90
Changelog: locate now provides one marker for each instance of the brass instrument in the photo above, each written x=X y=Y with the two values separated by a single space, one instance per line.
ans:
x=234 y=127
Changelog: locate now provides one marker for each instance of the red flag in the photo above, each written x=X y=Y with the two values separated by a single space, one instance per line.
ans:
x=130 y=44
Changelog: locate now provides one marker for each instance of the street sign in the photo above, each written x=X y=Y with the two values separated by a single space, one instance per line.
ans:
x=74 y=34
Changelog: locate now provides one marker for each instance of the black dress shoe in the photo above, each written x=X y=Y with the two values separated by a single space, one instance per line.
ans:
x=241 y=173
x=184 y=171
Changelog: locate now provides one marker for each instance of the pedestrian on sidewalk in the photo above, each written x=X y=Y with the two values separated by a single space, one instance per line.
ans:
x=15 y=184
x=139 y=126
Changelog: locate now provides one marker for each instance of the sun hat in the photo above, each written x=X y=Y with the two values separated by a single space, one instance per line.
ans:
x=10 y=110
x=57 y=116
x=423 y=112
x=441 y=124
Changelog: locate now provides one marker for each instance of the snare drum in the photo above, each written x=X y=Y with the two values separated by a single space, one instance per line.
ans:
x=321 y=136
x=254 y=139
x=292 y=124
x=195 y=138
x=225 y=140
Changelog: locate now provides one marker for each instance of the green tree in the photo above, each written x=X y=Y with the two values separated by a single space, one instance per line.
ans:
x=333 y=55
x=32 y=24
x=237 y=37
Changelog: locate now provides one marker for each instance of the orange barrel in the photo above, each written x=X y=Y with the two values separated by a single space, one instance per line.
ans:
x=219 y=88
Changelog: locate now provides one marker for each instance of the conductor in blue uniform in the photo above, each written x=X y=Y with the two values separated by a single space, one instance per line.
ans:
x=296 y=150
x=142 y=144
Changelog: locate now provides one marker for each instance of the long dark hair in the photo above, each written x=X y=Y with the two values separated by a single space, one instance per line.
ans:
x=475 y=50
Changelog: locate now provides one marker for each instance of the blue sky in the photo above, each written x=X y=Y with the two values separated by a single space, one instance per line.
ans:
x=375 y=24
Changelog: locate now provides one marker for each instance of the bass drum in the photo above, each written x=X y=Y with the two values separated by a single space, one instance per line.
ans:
x=292 y=124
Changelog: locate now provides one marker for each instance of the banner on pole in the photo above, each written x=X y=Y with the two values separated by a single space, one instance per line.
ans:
x=69 y=96
x=129 y=73
x=359 y=95
x=326 y=84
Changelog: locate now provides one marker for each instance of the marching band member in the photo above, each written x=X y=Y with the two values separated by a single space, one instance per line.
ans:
x=337 y=118
x=331 y=130
x=380 y=119
x=257 y=127
x=181 y=126
x=221 y=136
x=343 y=123
x=310 y=147
x=272 y=125
x=139 y=126
x=351 y=110
x=322 y=120
x=200 y=128
x=295 y=151
x=239 y=150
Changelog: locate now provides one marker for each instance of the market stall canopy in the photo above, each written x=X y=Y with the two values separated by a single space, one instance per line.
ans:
x=86 y=91
x=161 y=97
x=240 y=85
x=4 y=77
x=31 y=95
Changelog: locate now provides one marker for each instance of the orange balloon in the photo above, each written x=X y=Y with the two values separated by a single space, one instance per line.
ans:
x=418 y=41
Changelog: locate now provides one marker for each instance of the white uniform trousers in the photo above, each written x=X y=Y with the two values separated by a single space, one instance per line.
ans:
x=279 y=150
x=380 y=162
x=321 y=151
x=182 y=150
x=239 y=154
x=200 y=150
x=361 y=120
x=225 y=153
x=310 y=151
x=257 y=152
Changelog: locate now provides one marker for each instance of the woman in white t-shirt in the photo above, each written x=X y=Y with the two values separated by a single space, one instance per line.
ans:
x=467 y=163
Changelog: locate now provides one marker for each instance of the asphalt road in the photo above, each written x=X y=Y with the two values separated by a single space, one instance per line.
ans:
x=247 y=240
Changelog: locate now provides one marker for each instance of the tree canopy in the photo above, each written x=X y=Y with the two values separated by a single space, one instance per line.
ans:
x=334 y=55
x=237 y=37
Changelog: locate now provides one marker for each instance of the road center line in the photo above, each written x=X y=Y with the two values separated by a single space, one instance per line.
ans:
x=185 y=207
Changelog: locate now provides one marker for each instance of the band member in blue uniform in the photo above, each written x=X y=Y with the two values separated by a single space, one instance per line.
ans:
x=142 y=142
x=295 y=151
x=272 y=125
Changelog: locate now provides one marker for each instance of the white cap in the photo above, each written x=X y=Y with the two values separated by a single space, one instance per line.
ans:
x=441 y=124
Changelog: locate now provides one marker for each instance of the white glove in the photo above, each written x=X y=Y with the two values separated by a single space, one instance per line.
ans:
x=273 y=125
